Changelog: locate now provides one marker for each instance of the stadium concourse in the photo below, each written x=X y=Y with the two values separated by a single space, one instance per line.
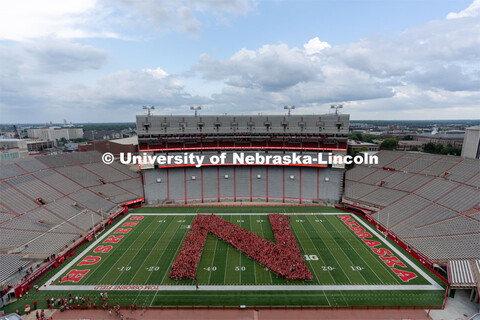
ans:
x=430 y=202
x=49 y=203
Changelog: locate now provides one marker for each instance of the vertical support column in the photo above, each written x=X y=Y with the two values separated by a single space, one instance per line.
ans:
x=185 y=181
x=234 y=185
x=168 y=185
x=300 y=186
x=218 y=183
x=251 y=185
x=201 y=179
x=318 y=183
x=283 y=185
x=266 y=170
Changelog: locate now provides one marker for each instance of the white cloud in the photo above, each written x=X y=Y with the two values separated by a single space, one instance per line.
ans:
x=315 y=46
x=430 y=66
x=271 y=67
x=50 y=56
x=189 y=22
x=473 y=10
x=157 y=73
x=291 y=75
x=428 y=71
x=21 y=20
x=180 y=15
x=114 y=97
x=127 y=90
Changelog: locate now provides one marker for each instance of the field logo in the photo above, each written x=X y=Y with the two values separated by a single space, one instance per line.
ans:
x=77 y=275
x=385 y=255
x=283 y=258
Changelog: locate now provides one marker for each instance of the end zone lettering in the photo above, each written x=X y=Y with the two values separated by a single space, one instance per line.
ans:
x=77 y=275
x=74 y=275
x=385 y=255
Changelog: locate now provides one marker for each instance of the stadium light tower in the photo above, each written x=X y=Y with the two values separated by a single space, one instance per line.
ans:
x=149 y=108
x=196 y=108
x=336 y=107
x=289 y=108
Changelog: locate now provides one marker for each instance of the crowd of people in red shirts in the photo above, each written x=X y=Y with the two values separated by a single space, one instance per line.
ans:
x=283 y=258
x=186 y=263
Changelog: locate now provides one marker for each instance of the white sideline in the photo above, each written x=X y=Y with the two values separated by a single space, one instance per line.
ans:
x=240 y=288
x=391 y=246
x=48 y=287
x=69 y=265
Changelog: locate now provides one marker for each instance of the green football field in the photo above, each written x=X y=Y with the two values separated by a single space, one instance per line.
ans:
x=347 y=272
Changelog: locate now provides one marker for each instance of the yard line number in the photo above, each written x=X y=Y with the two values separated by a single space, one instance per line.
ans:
x=210 y=268
x=356 y=268
x=151 y=269
x=127 y=268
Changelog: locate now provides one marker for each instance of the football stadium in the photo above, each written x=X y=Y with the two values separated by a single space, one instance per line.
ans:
x=401 y=233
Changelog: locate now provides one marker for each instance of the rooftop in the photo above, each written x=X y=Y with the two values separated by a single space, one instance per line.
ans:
x=442 y=135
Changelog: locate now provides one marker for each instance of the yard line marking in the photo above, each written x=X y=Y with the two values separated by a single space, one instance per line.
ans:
x=135 y=301
x=156 y=243
x=263 y=236
x=166 y=248
x=313 y=225
x=254 y=269
x=326 y=297
x=76 y=259
x=334 y=257
x=433 y=285
x=359 y=240
x=241 y=254
x=213 y=260
x=391 y=246
x=226 y=265
x=138 y=251
x=320 y=256
x=112 y=267
x=226 y=261
x=174 y=256
x=171 y=261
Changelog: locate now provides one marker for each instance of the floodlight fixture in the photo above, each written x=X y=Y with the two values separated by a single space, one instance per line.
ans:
x=196 y=108
x=336 y=107
x=289 y=108
x=149 y=109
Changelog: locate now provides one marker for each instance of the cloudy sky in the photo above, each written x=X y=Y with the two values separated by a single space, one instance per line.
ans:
x=101 y=60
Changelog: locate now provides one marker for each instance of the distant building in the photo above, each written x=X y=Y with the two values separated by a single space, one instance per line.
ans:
x=399 y=135
x=353 y=146
x=39 y=145
x=13 y=148
x=55 y=134
x=103 y=134
x=110 y=146
x=408 y=145
x=70 y=146
x=127 y=141
x=471 y=143
x=455 y=140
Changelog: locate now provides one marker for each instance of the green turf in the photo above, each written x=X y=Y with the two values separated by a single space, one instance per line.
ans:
x=334 y=254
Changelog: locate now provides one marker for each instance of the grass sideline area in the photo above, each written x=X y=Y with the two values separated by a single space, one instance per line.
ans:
x=331 y=250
